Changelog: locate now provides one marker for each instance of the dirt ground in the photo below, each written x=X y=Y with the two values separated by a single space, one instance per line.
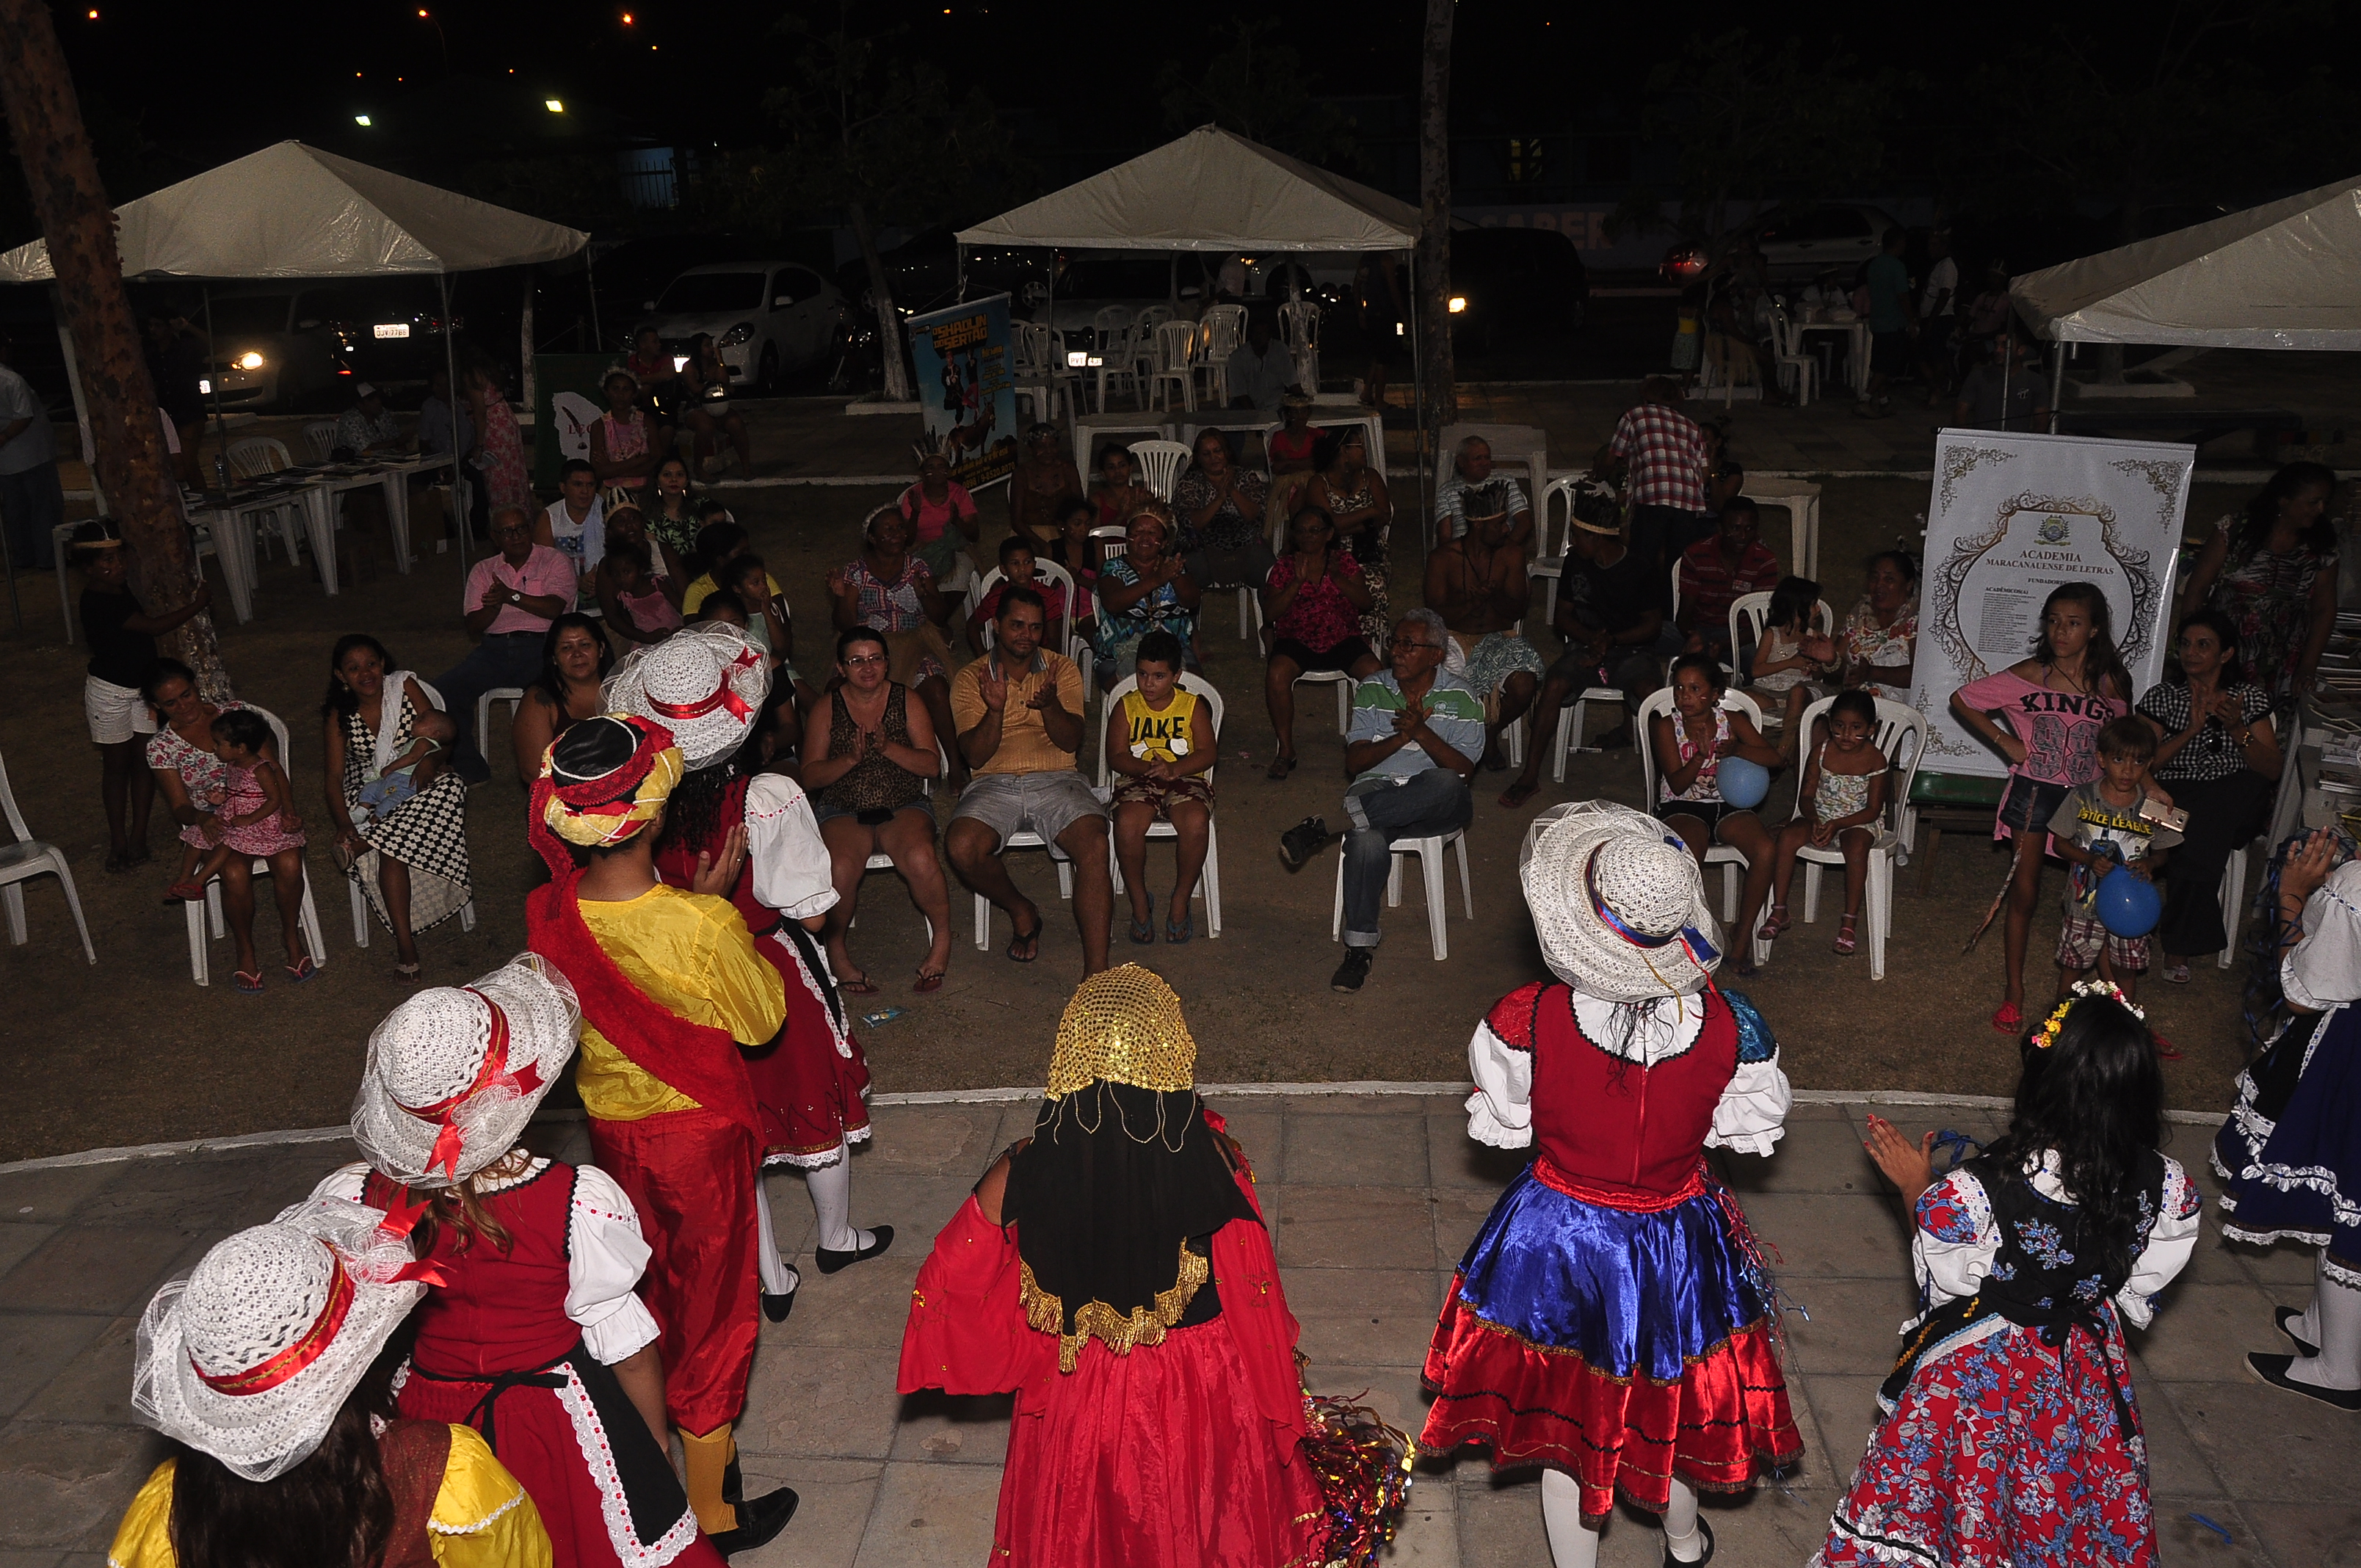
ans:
x=132 y=1052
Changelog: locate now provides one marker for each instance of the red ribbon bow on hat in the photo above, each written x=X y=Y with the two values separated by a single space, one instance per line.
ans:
x=726 y=695
x=446 y=1150
x=270 y=1374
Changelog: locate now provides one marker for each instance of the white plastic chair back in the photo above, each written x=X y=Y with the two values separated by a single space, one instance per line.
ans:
x=1150 y=317
x=1191 y=682
x=258 y=455
x=1901 y=734
x=1159 y=465
x=1298 y=324
x=25 y=858
x=1063 y=634
x=1175 y=340
x=1226 y=328
x=1209 y=880
x=1749 y=611
x=321 y=434
x=1110 y=321
x=1115 y=543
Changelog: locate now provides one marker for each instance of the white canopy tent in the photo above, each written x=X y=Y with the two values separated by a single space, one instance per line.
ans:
x=1216 y=191
x=292 y=211
x=2285 y=275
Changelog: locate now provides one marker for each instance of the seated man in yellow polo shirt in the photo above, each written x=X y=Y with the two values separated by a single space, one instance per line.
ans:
x=1018 y=712
x=671 y=988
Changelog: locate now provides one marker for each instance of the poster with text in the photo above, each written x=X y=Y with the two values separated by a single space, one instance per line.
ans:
x=962 y=361
x=2015 y=516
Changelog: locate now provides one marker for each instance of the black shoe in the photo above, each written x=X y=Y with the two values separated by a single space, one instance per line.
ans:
x=1673 y=1561
x=733 y=1482
x=1352 y=970
x=2283 y=1316
x=758 y=1523
x=1303 y=841
x=777 y=1307
x=2273 y=1370
x=830 y=1261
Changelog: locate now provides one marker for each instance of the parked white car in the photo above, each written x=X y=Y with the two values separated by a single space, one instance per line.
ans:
x=768 y=317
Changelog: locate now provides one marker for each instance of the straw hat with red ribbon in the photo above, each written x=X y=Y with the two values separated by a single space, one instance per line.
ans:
x=455 y=1072
x=705 y=683
x=251 y=1357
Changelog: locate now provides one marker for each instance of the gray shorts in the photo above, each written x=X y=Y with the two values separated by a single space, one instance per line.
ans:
x=1046 y=804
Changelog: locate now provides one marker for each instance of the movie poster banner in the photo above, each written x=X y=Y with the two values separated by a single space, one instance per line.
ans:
x=961 y=358
x=2013 y=517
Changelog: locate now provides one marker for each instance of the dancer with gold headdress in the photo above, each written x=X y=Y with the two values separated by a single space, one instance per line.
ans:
x=1115 y=1271
x=671 y=988
x=1610 y=1320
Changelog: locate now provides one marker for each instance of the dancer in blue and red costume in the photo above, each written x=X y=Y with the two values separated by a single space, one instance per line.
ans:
x=1611 y=1322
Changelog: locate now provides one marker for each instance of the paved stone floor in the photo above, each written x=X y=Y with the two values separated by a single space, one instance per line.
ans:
x=1372 y=1198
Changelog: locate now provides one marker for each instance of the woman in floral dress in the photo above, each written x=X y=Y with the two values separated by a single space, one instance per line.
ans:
x=2272 y=570
x=2011 y=1439
x=1355 y=495
x=500 y=451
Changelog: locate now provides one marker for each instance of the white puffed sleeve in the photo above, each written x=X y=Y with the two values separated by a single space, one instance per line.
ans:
x=606 y=1256
x=2170 y=1241
x=1501 y=1111
x=792 y=873
x=1751 y=1115
x=2324 y=970
x=1954 y=1239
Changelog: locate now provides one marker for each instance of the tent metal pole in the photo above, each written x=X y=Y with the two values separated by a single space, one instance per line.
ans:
x=590 y=276
x=455 y=519
x=1418 y=396
x=2057 y=386
x=527 y=346
x=221 y=431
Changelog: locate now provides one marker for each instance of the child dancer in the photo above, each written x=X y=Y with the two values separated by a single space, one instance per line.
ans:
x=1781 y=665
x=2101 y=825
x=257 y=808
x=1846 y=782
x=2011 y=1435
x=2055 y=703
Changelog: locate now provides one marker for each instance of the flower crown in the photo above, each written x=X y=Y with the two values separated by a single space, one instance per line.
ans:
x=2046 y=1036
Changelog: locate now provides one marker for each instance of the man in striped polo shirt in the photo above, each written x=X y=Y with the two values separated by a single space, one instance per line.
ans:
x=1417 y=733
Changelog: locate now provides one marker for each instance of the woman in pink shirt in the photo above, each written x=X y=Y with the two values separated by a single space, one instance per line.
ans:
x=2055 y=704
x=941 y=516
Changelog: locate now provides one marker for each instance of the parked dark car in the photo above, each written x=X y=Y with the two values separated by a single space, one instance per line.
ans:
x=1507 y=281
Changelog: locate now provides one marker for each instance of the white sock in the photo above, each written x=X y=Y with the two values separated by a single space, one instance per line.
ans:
x=779 y=1275
x=1682 y=1537
x=831 y=1196
x=2337 y=1309
x=2307 y=1327
x=1572 y=1544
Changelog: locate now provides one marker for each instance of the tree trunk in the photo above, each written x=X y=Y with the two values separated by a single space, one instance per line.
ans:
x=889 y=320
x=61 y=176
x=1433 y=302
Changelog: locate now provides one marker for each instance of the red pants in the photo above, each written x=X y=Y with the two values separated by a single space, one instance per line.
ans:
x=691 y=1175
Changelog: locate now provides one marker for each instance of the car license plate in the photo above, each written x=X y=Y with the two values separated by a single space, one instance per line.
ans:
x=205 y=389
x=393 y=329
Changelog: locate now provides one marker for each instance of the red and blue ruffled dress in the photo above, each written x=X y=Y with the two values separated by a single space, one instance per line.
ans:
x=2011 y=1438
x=1609 y=1320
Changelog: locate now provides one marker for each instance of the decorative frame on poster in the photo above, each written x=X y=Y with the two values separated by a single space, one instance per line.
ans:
x=967 y=389
x=2015 y=516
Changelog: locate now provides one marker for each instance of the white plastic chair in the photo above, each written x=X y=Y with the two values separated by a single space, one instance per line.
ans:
x=321 y=433
x=25 y=858
x=1747 y=614
x=1299 y=329
x=1221 y=330
x=1118 y=361
x=260 y=454
x=2233 y=896
x=1174 y=343
x=1209 y=883
x=308 y=918
x=1659 y=703
x=1902 y=735
x=1430 y=870
x=1798 y=371
x=1023 y=840
x=361 y=913
x=1159 y=465
x=514 y=697
x=1342 y=681
x=882 y=861
x=1053 y=573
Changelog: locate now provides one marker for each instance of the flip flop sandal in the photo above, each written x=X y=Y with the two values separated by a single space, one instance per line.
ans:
x=1775 y=924
x=1143 y=933
x=301 y=970
x=184 y=892
x=1280 y=768
x=1178 y=935
x=406 y=971
x=249 y=981
x=1022 y=939
x=2164 y=1050
x=1847 y=942
x=2177 y=973
x=863 y=986
x=929 y=981
x=2008 y=1019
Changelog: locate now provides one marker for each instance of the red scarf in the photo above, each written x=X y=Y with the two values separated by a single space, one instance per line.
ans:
x=698 y=1060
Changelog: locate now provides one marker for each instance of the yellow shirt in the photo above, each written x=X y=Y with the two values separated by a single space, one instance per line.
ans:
x=482 y=1519
x=688 y=952
x=1159 y=735
x=1025 y=744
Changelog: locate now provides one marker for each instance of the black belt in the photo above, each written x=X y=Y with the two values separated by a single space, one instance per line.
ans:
x=2056 y=1326
x=541 y=1377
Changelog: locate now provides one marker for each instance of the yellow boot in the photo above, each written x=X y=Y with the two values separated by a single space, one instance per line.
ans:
x=709 y=1457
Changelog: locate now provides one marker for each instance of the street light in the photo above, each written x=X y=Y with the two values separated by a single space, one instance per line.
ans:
x=553 y=105
x=361 y=120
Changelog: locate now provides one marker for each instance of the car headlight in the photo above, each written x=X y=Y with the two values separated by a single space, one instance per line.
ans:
x=737 y=337
x=250 y=360
x=1458 y=304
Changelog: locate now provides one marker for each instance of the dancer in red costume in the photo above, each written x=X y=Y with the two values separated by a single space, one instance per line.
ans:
x=1115 y=1271
x=532 y=1334
x=710 y=687
x=671 y=989
x=1609 y=1321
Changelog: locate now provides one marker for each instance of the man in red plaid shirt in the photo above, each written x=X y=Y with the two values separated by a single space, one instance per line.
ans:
x=1665 y=461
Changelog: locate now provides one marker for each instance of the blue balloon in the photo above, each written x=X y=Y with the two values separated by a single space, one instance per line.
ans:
x=1743 y=783
x=2127 y=906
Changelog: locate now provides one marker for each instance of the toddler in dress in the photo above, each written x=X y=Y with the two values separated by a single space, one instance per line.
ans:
x=1781 y=665
x=256 y=806
x=1846 y=782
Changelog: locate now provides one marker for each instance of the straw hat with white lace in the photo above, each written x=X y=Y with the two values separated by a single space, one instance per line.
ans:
x=1619 y=903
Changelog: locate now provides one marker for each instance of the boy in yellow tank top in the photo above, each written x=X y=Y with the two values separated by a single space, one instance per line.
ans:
x=1161 y=745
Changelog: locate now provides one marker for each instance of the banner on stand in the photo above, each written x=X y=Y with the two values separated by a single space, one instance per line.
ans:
x=2015 y=516
x=962 y=359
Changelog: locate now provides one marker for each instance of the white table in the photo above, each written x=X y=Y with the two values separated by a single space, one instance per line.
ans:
x=393 y=478
x=1802 y=499
x=1856 y=336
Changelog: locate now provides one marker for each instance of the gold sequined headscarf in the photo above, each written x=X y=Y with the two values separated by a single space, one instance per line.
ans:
x=1123 y=1025
x=1115 y=1195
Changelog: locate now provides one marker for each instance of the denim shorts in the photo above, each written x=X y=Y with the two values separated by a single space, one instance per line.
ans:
x=2030 y=804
